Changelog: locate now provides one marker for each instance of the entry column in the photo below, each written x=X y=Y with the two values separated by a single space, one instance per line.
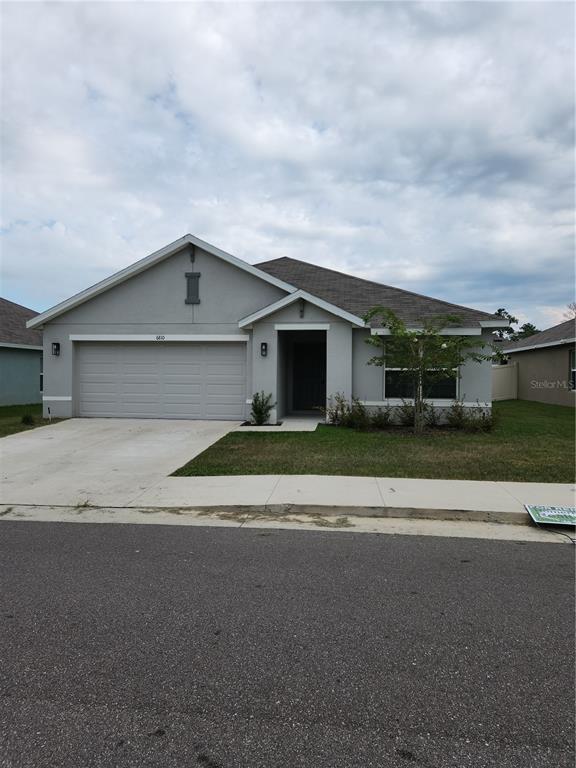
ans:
x=339 y=360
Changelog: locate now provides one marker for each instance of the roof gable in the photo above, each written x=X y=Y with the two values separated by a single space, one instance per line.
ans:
x=150 y=261
x=357 y=296
x=290 y=299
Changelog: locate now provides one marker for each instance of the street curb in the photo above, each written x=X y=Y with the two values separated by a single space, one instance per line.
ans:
x=414 y=513
x=314 y=510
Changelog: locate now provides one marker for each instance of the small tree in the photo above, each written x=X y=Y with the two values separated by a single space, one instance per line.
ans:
x=425 y=355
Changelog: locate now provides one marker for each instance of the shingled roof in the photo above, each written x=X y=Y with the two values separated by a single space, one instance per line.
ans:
x=357 y=296
x=563 y=333
x=13 y=329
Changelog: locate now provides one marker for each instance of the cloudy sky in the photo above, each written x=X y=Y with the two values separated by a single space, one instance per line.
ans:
x=424 y=145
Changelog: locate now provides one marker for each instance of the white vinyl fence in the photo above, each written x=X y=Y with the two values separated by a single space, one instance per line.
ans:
x=505 y=382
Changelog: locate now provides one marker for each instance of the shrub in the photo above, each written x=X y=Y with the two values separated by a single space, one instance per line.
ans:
x=406 y=414
x=381 y=418
x=456 y=416
x=470 y=419
x=358 y=416
x=337 y=410
x=27 y=419
x=480 y=420
x=431 y=416
x=261 y=407
x=342 y=413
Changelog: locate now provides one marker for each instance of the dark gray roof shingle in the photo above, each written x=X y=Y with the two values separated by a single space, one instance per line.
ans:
x=562 y=332
x=13 y=329
x=357 y=296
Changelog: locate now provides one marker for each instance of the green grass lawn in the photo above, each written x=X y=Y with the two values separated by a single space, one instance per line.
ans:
x=11 y=418
x=531 y=442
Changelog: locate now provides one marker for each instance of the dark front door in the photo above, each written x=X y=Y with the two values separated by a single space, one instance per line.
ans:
x=309 y=376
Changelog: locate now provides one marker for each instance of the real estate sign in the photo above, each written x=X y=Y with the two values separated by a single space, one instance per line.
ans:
x=557 y=515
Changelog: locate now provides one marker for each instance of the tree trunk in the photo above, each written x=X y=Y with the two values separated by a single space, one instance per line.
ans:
x=419 y=396
x=418 y=415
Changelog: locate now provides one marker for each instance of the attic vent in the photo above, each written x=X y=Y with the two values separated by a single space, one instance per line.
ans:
x=192 y=287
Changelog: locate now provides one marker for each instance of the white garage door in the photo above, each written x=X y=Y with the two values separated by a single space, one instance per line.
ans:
x=178 y=381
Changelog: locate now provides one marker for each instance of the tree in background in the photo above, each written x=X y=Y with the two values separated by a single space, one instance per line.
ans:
x=510 y=333
x=505 y=333
x=570 y=313
x=528 y=329
x=425 y=356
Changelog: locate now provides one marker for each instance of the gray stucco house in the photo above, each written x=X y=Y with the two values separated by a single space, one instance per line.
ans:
x=546 y=365
x=192 y=332
x=20 y=356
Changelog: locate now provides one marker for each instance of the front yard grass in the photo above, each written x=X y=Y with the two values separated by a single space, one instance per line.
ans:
x=531 y=442
x=11 y=418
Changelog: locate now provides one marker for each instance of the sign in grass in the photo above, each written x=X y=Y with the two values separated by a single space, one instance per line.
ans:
x=557 y=515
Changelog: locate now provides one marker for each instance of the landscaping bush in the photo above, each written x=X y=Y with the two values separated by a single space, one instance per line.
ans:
x=470 y=419
x=406 y=414
x=342 y=413
x=337 y=410
x=261 y=407
x=358 y=417
x=27 y=419
x=381 y=418
x=432 y=416
x=480 y=420
x=456 y=416
x=353 y=414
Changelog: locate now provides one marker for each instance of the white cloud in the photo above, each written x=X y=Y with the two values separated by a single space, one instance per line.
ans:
x=427 y=145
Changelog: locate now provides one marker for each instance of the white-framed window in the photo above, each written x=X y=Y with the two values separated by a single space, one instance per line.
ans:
x=398 y=385
x=573 y=369
x=41 y=374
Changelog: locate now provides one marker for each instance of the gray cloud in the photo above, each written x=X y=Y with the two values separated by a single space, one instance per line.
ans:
x=427 y=145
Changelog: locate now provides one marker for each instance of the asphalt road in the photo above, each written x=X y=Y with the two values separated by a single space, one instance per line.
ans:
x=167 y=646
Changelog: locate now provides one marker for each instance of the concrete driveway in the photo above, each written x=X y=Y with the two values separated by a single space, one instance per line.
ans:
x=99 y=461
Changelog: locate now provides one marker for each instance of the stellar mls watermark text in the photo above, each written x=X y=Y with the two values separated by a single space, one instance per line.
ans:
x=549 y=384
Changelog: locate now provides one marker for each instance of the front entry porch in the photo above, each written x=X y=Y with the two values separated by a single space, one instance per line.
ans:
x=301 y=372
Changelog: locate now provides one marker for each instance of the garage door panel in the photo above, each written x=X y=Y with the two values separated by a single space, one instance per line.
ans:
x=194 y=381
x=135 y=389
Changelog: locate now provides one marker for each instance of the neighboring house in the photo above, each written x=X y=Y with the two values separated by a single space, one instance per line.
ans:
x=192 y=332
x=546 y=368
x=20 y=356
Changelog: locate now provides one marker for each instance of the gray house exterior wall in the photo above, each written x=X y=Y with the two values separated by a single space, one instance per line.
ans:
x=20 y=376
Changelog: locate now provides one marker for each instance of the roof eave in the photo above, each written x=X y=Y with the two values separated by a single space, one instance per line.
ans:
x=559 y=343
x=493 y=323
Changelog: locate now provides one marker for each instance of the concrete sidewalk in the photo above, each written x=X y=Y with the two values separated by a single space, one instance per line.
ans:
x=366 y=496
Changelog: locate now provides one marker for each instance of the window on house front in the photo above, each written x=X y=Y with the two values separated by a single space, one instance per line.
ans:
x=41 y=373
x=398 y=385
x=573 y=370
